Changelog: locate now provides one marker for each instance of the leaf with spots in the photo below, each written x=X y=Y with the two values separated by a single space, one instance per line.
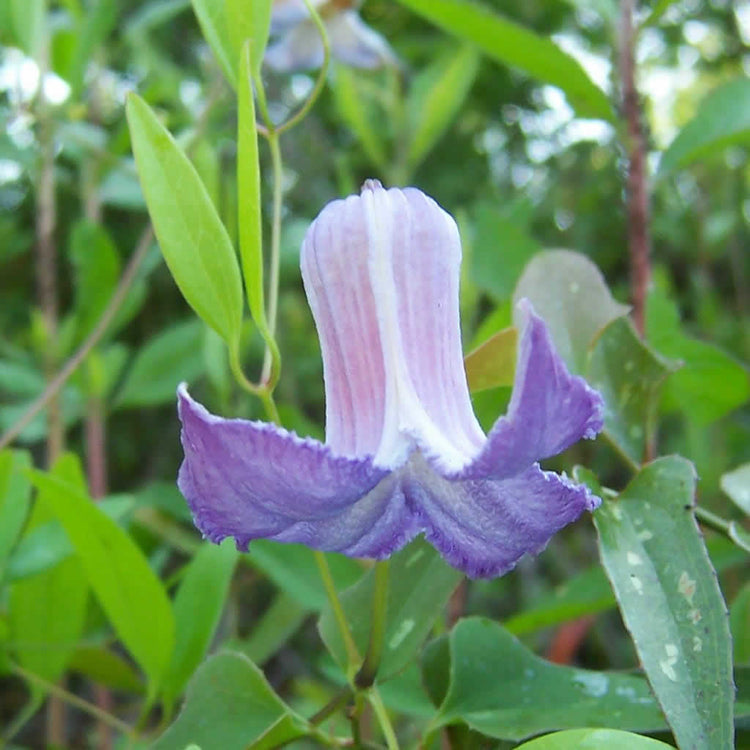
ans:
x=670 y=600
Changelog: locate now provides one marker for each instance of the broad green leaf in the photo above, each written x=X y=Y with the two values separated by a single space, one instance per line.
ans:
x=509 y=43
x=420 y=584
x=249 y=22
x=502 y=246
x=670 y=600
x=691 y=389
x=15 y=499
x=230 y=705
x=723 y=119
x=106 y=667
x=96 y=267
x=170 y=357
x=47 y=611
x=248 y=193
x=593 y=739
x=629 y=375
x=570 y=293
x=736 y=484
x=492 y=682
x=279 y=622
x=356 y=96
x=493 y=363
x=29 y=22
x=435 y=98
x=739 y=621
x=660 y=7
x=129 y=592
x=194 y=242
x=198 y=606
x=20 y=379
x=293 y=569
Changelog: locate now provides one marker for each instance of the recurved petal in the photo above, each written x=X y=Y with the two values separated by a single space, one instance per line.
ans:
x=356 y=44
x=251 y=479
x=484 y=527
x=549 y=410
x=298 y=48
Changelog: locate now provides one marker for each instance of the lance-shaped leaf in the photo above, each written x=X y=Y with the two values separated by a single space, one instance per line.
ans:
x=670 y=600
x=248 y=187
x=193 y=239
x=15 y=498
x=723 y=118
x=514 y=45
x=130 y=593
x=435 y=99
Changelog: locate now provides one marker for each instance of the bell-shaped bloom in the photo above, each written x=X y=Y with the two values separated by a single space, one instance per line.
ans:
x=404 y=454
x=297 y=44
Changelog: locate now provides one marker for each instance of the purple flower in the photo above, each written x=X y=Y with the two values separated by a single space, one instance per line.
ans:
x=298 y=45
x=404 y=453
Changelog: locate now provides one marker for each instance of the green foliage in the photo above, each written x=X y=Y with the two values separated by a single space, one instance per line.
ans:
x=671 y=603
x=592 y=739
x=493 y=363
x=723 y=118
x=194 y=242
x=481 y=675
x=514 y=45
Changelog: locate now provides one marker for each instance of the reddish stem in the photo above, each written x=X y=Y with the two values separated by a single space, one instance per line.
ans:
x=639 y=241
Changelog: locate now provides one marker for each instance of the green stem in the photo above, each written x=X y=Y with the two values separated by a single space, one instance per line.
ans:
x=338 y=701
x=74 y=700
x=262 y=391
x=366 y=675
x=383 y=719
x=352 y=653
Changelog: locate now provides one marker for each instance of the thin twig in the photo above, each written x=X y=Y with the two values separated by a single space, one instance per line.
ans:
x=54 y=386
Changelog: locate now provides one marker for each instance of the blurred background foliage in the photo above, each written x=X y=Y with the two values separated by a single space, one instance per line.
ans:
x=503 y=152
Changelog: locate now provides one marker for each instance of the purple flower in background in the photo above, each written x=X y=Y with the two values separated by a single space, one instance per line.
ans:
x=297 y=44
x=404 y=454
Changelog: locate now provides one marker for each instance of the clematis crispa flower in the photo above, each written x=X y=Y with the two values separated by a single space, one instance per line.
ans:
x=404 y=454
x=297 y=44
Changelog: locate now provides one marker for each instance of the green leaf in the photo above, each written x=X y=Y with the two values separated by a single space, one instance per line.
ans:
x=723 y=119
x=293 y=569
x=193 y=240
x=593 y=739
x=356 y=101
x=129 y=592
x=511 y=44
x=230 y=705
x=692 y=389
x=502 y=245
x=570 y=293
x=279 y=622
x=96 y=267
x=47 y=611
x=105 y=667
x=493 y=683
x=420 y=584
x=248 y=198
x=435 y=98
x=629 y=375
x=198 y=606
x=98 y=21
x=248 y=22
x=15 y=499
x=170 y=357
x=739 y=621
x=28 y=18
x=670 y=600
x=493 y=363
x=736 y=484
x=212 y=17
